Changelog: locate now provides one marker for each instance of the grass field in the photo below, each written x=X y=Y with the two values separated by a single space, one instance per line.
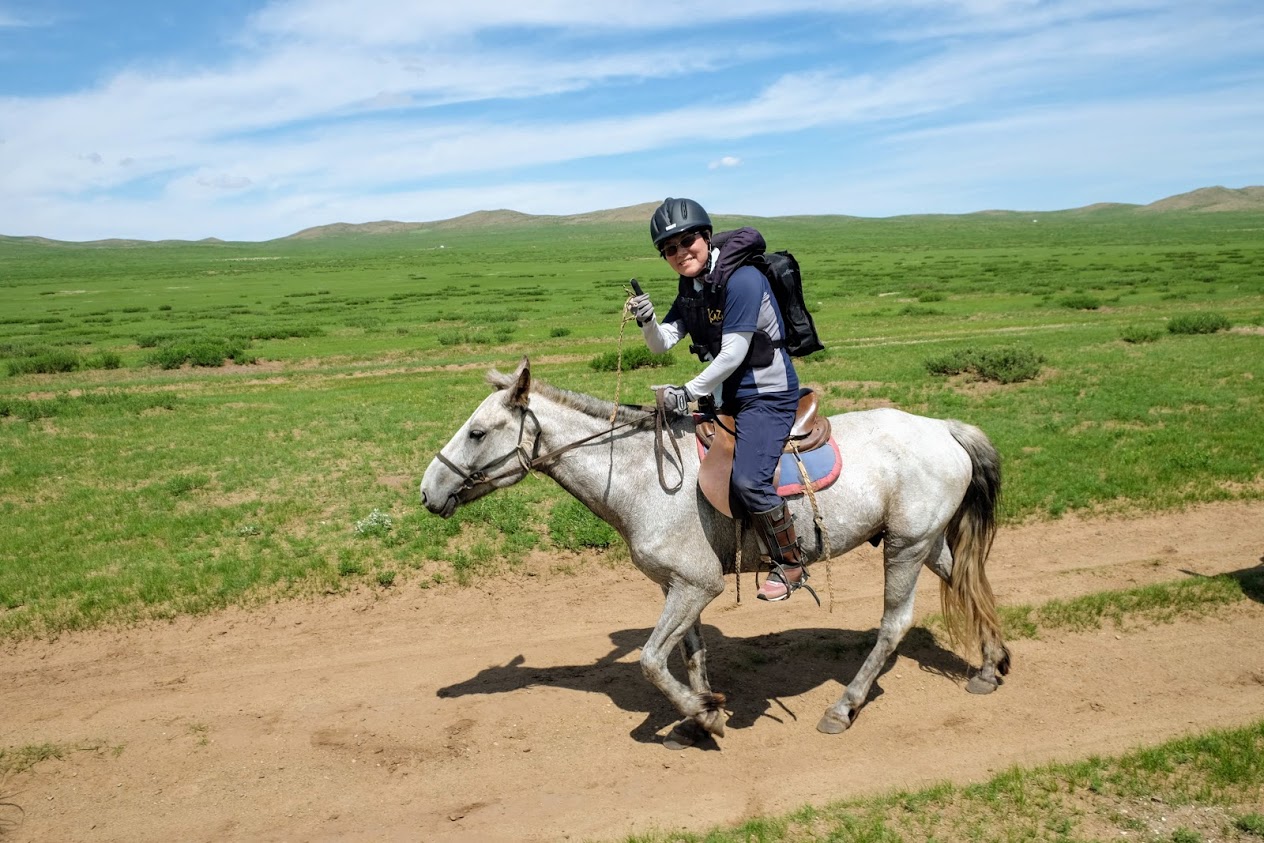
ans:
x=191 y=425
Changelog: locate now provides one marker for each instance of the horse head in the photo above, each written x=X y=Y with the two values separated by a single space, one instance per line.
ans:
x=493 y=449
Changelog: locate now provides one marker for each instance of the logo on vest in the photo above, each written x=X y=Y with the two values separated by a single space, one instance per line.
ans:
x=715 y=315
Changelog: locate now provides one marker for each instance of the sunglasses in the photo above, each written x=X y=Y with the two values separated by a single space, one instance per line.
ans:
x=684 y=242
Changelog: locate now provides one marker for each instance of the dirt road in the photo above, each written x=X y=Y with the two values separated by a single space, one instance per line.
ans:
x=515 y=710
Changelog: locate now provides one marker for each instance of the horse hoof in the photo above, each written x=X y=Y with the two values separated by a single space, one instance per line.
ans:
x=713 y=722
x=832 y=725
x=979 y=685
x=684 y=734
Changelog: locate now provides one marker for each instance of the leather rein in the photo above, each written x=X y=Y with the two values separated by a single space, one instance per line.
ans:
x=531 y=460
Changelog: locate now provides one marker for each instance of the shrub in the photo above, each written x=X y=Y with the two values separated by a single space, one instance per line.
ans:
x=1080 y=301
x=560 y=332
x=1004 y=364
x=1198 y=323
x=47 y=362
x=104 y=360
x=1251 y=824
x=200 y=351
x=1140 y=333
x=635 y=357
x=282 y=332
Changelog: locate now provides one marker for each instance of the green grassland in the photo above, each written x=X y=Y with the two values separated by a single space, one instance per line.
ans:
x=189 y=425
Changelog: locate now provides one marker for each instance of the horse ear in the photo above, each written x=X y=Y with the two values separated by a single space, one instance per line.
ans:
x=520 y=390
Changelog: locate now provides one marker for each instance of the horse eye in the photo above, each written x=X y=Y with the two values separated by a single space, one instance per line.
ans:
x=477 y=435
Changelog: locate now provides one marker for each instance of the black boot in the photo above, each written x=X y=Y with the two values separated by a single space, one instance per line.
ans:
x=788 y=574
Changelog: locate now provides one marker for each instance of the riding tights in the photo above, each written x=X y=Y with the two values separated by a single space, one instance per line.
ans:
x=763 y=424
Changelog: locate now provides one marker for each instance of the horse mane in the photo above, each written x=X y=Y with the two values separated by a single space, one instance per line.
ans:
x=589 y=405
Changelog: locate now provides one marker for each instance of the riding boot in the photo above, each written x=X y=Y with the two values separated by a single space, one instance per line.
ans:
x=788 y=573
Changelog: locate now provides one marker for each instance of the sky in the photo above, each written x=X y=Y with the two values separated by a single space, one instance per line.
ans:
x=251 y=120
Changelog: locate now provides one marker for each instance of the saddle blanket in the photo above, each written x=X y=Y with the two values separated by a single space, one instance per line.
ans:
x=824 y=464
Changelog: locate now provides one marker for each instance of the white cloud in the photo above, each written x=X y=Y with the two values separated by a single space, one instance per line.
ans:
x=332 y=109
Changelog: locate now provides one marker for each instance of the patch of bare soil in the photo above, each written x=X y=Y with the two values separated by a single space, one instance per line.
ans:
x=516 y=710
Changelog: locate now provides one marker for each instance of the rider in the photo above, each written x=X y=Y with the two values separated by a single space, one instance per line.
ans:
x=737 y=329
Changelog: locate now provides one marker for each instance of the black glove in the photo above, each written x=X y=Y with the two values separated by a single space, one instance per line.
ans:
x=676 y=400
x=642 y=308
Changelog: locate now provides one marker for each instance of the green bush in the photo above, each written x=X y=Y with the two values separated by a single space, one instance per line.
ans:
x=1003 y=364
x=1251 y=824
x=635 y=357
x=1140 y=333
x=200 y=351
x=104 y=360
x=1198 y=323
x=560 y=332
x=47 y=362
x=573 y=527
x=1080 y=301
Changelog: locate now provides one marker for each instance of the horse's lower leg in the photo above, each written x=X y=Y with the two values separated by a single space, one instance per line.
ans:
x=901 y=570
x=694 y=651
x=679 y=625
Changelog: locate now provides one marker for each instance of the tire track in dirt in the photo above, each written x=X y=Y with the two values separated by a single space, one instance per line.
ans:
x=517 y=711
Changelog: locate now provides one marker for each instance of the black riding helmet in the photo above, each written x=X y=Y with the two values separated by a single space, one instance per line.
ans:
x=677 y=216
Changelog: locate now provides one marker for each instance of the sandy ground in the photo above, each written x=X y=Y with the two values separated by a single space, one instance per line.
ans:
x=515 y=710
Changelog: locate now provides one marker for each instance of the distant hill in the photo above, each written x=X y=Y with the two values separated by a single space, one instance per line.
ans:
x=1203 y=200
x=1211 y=199
x=479 y=219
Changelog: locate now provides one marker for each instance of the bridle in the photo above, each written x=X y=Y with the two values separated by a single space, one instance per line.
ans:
x=476 y=477
x=531 y=460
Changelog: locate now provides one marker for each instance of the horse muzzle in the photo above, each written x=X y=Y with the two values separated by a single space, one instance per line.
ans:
x=443 y=507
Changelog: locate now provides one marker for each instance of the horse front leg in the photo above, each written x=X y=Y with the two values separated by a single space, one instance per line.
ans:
x=679 y=625
x=901 y=567
x=693 y=650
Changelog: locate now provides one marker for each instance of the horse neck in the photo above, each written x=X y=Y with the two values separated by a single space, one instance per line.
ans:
x=610 y=474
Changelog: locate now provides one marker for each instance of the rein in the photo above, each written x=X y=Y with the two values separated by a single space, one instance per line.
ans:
x=532 y=460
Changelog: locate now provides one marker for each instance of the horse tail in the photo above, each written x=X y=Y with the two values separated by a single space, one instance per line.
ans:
x=969 y=606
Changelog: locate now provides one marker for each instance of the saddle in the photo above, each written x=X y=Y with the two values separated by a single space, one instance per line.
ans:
x=809 y=432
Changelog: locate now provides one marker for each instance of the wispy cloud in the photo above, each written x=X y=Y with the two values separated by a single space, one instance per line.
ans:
x=320 y=107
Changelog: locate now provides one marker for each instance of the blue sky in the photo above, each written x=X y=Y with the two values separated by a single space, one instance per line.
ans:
x=248 y=120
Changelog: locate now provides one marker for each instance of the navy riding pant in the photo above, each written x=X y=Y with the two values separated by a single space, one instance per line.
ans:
x=763 y=424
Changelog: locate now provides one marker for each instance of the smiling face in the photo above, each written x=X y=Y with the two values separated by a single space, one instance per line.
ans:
x=688 y=254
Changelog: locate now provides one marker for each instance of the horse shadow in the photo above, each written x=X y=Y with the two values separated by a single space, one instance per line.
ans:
x=1250 y=580
x=760 y=675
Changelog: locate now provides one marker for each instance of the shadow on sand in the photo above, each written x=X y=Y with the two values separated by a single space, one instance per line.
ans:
x=756 y=674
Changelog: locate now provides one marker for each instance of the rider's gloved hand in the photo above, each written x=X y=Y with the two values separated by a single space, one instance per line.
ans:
x=676 y=400
x=642 y=308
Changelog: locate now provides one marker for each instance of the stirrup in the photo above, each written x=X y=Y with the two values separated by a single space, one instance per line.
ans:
x=779 y=573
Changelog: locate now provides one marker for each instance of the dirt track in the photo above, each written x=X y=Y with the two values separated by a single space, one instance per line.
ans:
x=516 y=710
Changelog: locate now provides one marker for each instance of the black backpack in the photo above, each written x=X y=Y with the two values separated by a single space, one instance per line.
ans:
x=782 y=272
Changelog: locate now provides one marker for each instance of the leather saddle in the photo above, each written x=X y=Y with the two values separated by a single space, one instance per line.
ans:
x=809 y=431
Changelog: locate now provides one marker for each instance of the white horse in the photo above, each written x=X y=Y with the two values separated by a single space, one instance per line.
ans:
x=927 y=487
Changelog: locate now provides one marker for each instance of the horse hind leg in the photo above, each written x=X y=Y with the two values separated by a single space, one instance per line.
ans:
x=901 y=567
